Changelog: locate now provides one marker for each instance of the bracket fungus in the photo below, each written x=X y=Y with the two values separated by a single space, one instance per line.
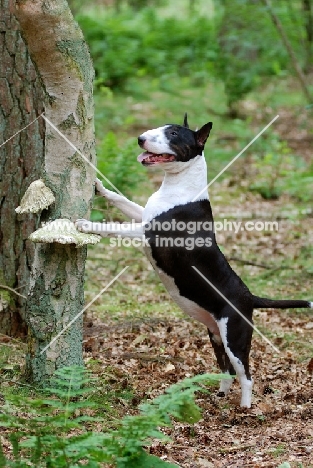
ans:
x=63 y=231
x=36 y=198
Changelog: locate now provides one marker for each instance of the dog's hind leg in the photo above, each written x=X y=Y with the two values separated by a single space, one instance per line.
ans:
x=223 y=362
x=236 y=335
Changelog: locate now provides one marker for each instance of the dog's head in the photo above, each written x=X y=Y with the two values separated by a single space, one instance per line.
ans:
x=172 y=143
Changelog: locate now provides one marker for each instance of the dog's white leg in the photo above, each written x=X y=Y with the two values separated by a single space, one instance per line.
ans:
x=130 y=209
x=246 y=382
x=246 y=391
x=132 y=230
x=223 y=362
x=225 y=384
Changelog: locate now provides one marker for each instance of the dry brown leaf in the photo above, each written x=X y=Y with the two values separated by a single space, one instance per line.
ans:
x=169 y=368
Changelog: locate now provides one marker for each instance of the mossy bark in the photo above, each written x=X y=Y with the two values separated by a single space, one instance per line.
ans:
x=62 y=59
x=21 y=162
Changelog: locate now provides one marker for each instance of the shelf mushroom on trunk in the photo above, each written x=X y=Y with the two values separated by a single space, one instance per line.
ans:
x=63 y=231
x=37 y=197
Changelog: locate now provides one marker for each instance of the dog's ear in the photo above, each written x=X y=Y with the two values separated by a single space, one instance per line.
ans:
x=203 y=134
x=185 y=124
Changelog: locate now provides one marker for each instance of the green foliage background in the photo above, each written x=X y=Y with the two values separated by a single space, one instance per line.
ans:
x=228 y=50
x=233 y=40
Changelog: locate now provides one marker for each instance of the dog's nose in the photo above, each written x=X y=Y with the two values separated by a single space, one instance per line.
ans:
x=141 y=140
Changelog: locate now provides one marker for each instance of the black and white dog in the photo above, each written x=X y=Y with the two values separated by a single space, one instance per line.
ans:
x=177 y=224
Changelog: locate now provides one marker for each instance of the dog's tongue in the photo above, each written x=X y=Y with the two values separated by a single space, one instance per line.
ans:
x=143 y=156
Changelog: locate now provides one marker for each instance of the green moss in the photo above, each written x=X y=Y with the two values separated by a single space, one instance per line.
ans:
x=58 y=8
x=81 y=111
x=66 y=205
x=78 y=56
x=79 y=209
x=68 y=123
x=50 y=136
x=78 y=162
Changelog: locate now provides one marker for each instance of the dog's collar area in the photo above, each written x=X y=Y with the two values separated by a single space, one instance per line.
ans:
x=148 y=159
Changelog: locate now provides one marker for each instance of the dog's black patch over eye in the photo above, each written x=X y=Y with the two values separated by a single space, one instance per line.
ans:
x=185 y=143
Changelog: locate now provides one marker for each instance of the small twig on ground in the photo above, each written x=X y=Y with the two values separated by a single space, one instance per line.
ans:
x=248 y=262
x=10 y=338
x=262 y=265
x=235 y=448
x=147 y=357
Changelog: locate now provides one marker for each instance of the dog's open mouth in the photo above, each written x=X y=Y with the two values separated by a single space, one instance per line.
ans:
x=147 y=158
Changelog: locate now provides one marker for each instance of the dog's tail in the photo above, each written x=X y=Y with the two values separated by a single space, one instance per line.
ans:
x=264 y=303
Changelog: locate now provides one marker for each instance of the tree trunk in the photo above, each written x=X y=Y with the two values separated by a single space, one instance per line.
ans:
x=59 y=52
x=21 y=159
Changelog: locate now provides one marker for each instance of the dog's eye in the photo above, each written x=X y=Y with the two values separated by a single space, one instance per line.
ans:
x=174 y=133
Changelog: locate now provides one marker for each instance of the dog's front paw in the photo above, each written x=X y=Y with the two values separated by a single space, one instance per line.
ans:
x=83 y=225
x=100 y=190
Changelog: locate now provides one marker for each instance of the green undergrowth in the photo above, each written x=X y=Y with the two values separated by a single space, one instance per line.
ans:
x=128 y=46
x=154 y=63
x=64 y=427
x=278 y=170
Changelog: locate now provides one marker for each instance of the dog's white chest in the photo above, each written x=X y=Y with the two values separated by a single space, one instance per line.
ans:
x=160 y=202
x=184 y=185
